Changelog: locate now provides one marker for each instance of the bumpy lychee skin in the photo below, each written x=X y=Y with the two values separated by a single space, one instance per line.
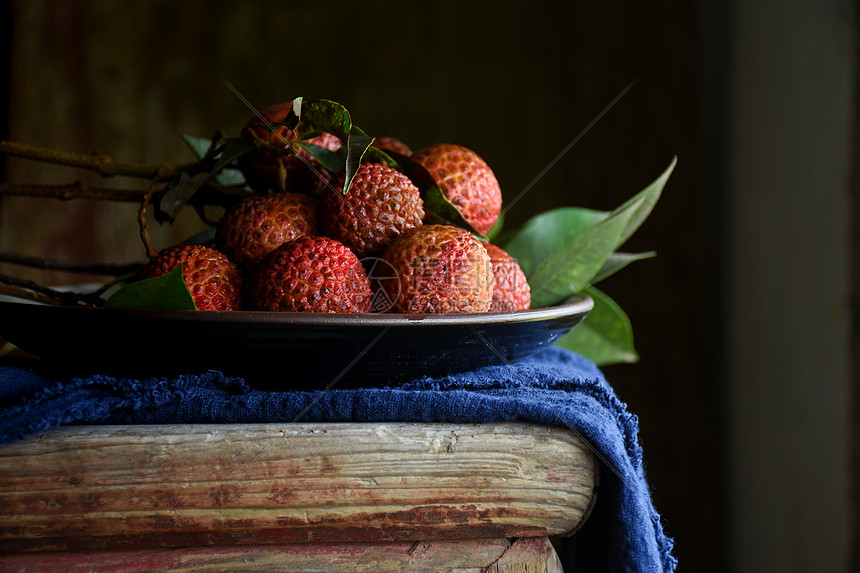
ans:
x=439 y=269
x=387 y=143
x=255 y=226
x=466 y=180
x=511 y=290
x=214 y=281
x=298 y=172
x=381 y=205
x=310 y=274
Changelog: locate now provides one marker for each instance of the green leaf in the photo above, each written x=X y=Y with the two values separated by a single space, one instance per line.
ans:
x=234 y=147
x=547 y=233
x=618 y=261
x=649 y=197
x=292 y=119
x=331 y=160
x=183 y=189
x=605 y=336
x=205 y=237
x=318 y=116
x=165 y=292
x=571 y=268
x=377 y=155
x=497 y=227
x=357 y=145
x=230 y=178
x=438 y=209
x=177 y=195
x=326 y=116
x=200 y=146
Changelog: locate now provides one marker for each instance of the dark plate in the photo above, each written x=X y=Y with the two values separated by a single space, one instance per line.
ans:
x=282 y=351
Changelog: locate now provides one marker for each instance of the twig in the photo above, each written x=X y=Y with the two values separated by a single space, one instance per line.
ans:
x=213 y=146
x=28 y=290
x=151 y=251
x=211 y=194
x=96 y=161
x=70 y=266
x=24 y=294
x=67 y=192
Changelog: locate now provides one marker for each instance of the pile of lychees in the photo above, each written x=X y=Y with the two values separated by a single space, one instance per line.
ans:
x=300 y=244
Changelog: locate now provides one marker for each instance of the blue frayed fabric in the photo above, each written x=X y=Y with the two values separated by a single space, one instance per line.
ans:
x=554 y=387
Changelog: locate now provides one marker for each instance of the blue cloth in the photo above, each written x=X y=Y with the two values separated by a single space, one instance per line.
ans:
x=557 y=387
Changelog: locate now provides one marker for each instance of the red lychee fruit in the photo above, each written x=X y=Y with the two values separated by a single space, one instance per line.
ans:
x=255 y=226
x=386 y=143
x=511 y=290
x=466 y=180
x=214 y=281
x=381 y=205
x=438 y=269
x=298 y=172
x=310 y=274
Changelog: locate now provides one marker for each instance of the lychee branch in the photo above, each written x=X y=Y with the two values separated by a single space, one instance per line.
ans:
x=69 y=191
x=151 y=251
x=69 y=266
x=96 y=161
x=211 y=194
x=28 y=290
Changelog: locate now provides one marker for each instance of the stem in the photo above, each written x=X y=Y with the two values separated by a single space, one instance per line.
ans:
x=96 y=161
x=151 y=251
x=67 y=192
x=212 y=193
x=29 y=290
x=70 y=266
x=25 y=294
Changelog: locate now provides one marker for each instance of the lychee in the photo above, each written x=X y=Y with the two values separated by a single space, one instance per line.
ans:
x=215 y=282
x=381 y=205
x=387 y=143
x=254 y=226
x=438 y=269
x=310 y=274
x=466 y=180
x=299 y=171
x=511 y=290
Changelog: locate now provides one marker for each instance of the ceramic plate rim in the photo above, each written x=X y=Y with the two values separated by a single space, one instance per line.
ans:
x=576 y=304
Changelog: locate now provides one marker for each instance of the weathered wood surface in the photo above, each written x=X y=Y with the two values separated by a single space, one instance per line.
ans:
x=101 y=487
x=526 y=555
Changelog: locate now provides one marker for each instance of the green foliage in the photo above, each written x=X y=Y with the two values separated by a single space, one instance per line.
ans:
x=605 y=336
x=165 y=292
x=215 y=156
x=200 y=147
x=618 y=261
x=570 y=269
x=496 y=230
x=334 y=162
x=548 y=232
x=567 y=250
x=325 y=116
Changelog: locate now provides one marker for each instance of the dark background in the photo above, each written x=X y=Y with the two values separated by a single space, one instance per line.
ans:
x=516 y=83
